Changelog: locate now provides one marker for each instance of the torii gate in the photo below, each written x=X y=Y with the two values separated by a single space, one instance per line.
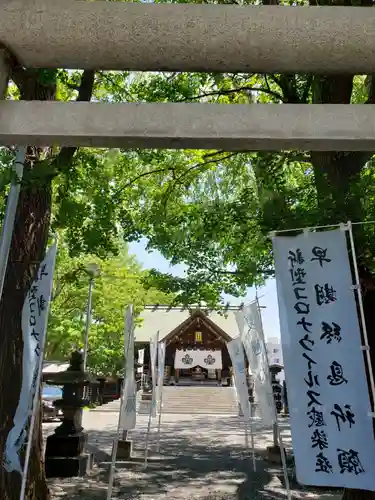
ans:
x=182 y=37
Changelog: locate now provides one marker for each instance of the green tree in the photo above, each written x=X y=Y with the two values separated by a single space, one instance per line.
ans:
x=210 y=210
x=118 y=285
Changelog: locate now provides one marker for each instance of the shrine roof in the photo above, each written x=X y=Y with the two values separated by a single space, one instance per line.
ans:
x=167 y=320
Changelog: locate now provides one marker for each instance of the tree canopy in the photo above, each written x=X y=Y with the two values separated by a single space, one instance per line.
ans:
x=211 y=210
x=118 y=285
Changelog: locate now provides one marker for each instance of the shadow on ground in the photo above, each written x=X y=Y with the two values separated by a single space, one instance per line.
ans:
x=197 y=461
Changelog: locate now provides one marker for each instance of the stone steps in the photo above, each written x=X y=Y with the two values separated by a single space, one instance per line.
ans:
x=199 y=400
x=186 y=401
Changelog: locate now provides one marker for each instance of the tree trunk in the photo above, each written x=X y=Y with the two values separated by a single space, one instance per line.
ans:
x=27 y=250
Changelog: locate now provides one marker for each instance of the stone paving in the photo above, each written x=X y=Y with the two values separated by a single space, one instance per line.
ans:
x=201 y=458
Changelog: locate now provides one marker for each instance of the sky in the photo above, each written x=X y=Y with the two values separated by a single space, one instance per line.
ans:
x=267 y=294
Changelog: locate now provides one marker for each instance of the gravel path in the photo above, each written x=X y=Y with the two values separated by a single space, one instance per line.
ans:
x=201 y=458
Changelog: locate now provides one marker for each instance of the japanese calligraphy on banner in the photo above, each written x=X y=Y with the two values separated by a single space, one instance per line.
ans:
x=154 y=355
x=328 y=396
x=129 y=398
x=34 y=326
x=250 y=325
x=237 y=357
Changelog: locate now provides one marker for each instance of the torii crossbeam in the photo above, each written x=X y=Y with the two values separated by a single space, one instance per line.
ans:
x=182 y=37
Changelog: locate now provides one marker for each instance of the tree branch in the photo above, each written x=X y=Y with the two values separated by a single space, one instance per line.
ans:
x=143 y=174
x=232 y=91
x=184 y=174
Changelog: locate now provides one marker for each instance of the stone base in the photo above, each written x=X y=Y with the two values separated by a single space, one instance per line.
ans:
x=124 y=449
x=66 y=446
x=274 y=454
x=67 y=466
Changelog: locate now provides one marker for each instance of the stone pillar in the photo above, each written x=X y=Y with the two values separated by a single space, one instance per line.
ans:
x=218 y=374
x=124 y=448
x=4 y=73
x=274 y=452
x=176 y=374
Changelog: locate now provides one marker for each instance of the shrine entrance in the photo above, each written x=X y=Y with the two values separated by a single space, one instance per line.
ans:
x=196 y=352
x=197 y=376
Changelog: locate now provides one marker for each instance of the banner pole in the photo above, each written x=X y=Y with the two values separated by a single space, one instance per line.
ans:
x=36 y=397
x=252 y=440
x=246 y=436
x=283 y=460
x=128 y=341
x=148 y=436
x=366 y=346
x=248 y=424
x=160 y=373
x=159 y=421
x=153 y=360
x=276 y=427
x=114 y=452
x=10 y=213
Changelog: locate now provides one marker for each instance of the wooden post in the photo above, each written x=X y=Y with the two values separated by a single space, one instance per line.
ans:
x=4 y=73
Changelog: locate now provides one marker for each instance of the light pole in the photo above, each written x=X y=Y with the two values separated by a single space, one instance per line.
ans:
x=93 y=271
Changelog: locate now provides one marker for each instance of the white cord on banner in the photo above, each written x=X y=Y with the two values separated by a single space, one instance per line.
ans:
x=272 y=234
x=281 y=443
x=366 y=346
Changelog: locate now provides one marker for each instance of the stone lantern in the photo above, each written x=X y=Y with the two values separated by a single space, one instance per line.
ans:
x=274 y=452
x=65 y=449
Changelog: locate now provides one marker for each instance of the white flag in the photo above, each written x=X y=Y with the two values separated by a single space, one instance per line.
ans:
x=128 y=408
x=253 y=341
x=34 y=327
x=161 y=363
x=153 y=355
x=236 y=354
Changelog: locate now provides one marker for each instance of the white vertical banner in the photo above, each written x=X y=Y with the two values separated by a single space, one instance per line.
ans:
x=153 y=359
x=34 y=327
x=250 y=324
x=128 y=404
x=141 y=359
x=236 y=354
x=332 y=431
x=128 y=412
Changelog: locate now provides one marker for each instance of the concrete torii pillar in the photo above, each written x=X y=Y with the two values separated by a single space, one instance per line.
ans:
x=4 y=73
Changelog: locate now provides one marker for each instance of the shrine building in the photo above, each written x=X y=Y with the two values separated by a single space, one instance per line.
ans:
x=196 y=350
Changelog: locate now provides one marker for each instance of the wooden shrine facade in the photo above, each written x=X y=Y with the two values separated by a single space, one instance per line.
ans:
x=196 y=349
